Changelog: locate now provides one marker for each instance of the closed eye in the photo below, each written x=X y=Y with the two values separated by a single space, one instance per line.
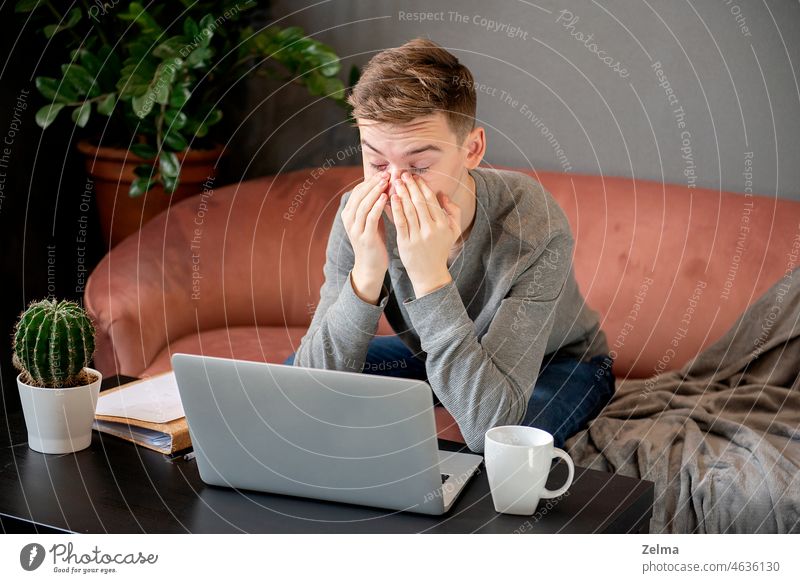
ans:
x=415 y=170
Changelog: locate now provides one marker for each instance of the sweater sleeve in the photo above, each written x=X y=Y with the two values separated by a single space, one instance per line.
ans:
x=488 y=382
x=343 y=323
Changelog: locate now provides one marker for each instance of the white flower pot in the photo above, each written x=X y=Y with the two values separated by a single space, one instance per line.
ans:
x=59 y=420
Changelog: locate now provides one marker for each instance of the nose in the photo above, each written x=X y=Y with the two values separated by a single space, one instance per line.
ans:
x=394 y=174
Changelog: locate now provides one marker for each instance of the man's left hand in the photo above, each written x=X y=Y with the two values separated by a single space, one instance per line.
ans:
x=426 y=231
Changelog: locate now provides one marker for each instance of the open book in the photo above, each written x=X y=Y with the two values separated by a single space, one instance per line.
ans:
x=147 y=412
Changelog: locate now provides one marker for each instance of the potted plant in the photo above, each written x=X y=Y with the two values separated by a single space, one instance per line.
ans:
x=146 y=87
x=53 y=345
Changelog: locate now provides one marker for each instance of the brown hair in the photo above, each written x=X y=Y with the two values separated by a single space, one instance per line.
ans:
x=416 y=79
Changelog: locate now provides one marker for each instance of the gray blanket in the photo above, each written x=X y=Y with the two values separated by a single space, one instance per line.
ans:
x=720 y=437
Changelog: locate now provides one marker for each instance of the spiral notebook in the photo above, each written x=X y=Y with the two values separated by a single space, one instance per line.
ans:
x=147 y=412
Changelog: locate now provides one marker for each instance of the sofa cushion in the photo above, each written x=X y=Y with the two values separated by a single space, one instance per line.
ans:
x=256 y=343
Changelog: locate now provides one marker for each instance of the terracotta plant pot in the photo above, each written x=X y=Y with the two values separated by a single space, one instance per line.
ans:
x=112 y=171
x=59 y=420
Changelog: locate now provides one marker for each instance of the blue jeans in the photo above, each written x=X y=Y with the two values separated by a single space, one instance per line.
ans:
x=566 y=396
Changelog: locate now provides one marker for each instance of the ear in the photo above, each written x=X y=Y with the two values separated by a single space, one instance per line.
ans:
x=474 y=147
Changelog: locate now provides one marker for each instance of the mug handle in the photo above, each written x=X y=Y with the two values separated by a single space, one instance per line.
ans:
x=556 y=493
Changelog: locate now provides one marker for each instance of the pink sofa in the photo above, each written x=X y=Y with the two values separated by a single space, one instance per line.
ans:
x=236 y=272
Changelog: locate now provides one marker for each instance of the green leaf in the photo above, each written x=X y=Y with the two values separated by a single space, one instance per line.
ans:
x=50 y=89
x=139 y=49
x=141 y=17
x=145 y=151
x=336 y=89
x=164 y=78
x=258 y=44
x=80 y=79
x=175 y=141
x=90 y=62
x=161 y=93
x=170 y=183
x=171 y=47
x=106 y=104
x=26 y=5
x=197 y=58
x=324 y=86
x=168 y=164
x=157 y=89
x=201 y=130
x=328 y=62
x=135 y=77
x=330 y=66
x=190 y=28
x=213 y=117
x=72 y=18
x=80 y=115
x=143 y=105
x=143 y=170
x=179 y=96
x=46 y=115
x=175 y=118
x=140 y=185
x=290 y=33
x=207 y=27
x=314 y=83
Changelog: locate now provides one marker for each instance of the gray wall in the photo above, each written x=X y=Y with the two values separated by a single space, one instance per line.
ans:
x=566 y=109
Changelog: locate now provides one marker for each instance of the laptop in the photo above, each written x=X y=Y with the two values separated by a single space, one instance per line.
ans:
x=323 y=434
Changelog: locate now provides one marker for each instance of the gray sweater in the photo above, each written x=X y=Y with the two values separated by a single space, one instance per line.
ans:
x=483 y=336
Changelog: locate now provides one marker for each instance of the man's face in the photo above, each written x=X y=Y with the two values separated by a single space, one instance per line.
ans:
x=426 y=147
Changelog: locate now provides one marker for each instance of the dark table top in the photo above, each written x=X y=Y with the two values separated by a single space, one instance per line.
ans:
x=117 y=487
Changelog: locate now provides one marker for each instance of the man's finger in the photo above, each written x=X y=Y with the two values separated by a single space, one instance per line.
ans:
x=408 y=206
x=374 y=214
x=453 y=213
x=361 y=190
x=436 y=209
x=400 y=223
x=368 y=202
x=418 y=199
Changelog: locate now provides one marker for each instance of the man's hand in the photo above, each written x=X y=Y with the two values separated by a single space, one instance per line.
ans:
x=426 y=231
x=360 y=216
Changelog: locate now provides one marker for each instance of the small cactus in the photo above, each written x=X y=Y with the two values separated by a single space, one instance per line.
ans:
x=53 y=342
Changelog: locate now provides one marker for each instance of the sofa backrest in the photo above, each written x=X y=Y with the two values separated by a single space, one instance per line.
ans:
x=671 y=268
x=660 y=263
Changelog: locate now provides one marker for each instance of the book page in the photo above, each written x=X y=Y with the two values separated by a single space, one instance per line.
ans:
x=154 y=399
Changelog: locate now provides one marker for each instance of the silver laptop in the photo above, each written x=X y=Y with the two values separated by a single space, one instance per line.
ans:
x=330 y=435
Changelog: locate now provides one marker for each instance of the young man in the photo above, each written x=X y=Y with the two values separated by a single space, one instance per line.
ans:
x=472 y=266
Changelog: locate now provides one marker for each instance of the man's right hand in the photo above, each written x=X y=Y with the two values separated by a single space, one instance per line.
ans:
x=360 y=216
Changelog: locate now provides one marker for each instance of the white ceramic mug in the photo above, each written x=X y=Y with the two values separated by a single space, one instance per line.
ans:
x=518 y=459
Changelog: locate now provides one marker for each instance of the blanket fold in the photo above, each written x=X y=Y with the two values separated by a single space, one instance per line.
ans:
x=721 y=436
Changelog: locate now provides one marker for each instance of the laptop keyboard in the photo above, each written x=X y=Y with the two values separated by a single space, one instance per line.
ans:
x=444 y=477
